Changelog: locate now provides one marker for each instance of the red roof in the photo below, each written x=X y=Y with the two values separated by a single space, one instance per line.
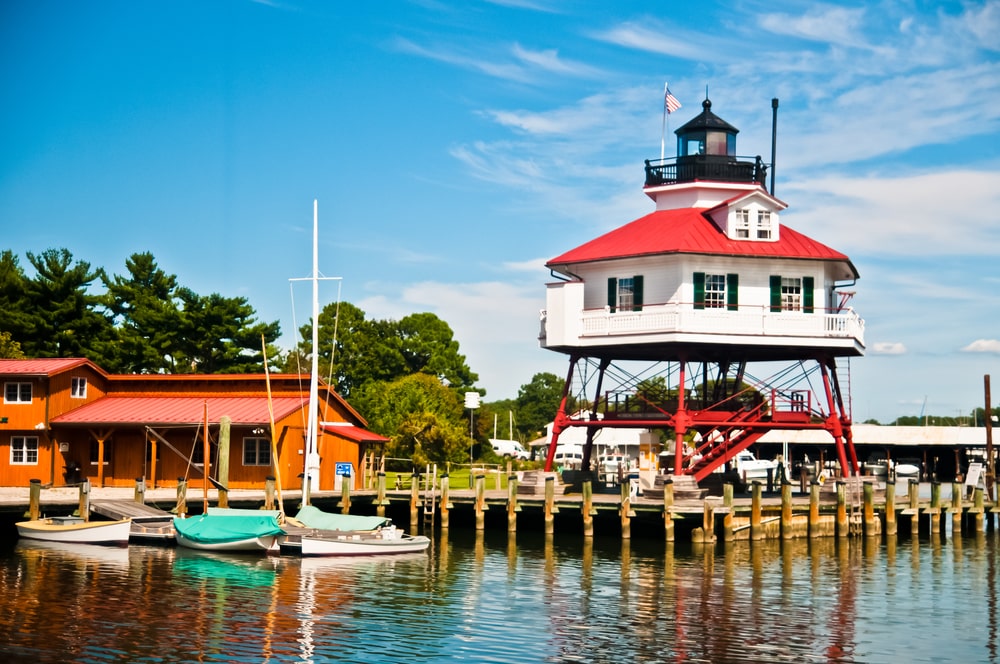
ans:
x=351 y=432
x=179 y=410
x=690 y=231
x=43 y=366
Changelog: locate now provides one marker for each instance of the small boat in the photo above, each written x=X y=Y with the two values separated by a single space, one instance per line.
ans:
x=320 y=533
x=74 y=529
x=242 y=530
x=386 y=540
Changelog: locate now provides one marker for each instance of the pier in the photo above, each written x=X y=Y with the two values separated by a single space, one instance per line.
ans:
x=859 y=507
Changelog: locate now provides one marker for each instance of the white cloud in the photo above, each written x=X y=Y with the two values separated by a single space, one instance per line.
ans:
x=822 y=23
x=889 y=348
x=983 y=346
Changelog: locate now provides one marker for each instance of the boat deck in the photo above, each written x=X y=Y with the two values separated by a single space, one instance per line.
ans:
x=148 y=523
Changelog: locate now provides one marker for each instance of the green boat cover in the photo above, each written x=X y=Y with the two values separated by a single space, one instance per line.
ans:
x=313 y=517
x=215 y=529
x=232 y=511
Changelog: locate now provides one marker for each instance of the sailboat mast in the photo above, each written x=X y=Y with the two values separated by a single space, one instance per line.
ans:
x=312 y=451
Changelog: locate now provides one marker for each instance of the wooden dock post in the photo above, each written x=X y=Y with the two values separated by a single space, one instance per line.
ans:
x=380 y=499
x=415 y=501
x=181 y=507
x=891 y=526
x=727 y=519
x=84 y=507
x=956 y=509
x=668 y=509
x=481 y=506
x=814 y=488
x=872 y=526
x=34 y=499
x=978 y=510
x=913 y=493
x=269 y=492
x=705 y=534
x=935 y=508
x=756 y=529
x=625 y=511
x=140 y=491
x=587 y=510
x=345 y=495
x=550 y=504
x=843 y=525
x=445 y=500
x=786 y=511
x=512 y=507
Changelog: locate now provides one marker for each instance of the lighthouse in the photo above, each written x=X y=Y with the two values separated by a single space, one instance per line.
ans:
x=706 y=318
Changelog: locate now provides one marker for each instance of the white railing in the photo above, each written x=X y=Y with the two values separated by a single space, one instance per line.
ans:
x=747 y=321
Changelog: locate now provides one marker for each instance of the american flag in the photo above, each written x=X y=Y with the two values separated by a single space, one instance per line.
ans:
x=670 y=102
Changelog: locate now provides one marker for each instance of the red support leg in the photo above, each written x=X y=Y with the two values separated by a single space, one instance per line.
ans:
x=562 y=418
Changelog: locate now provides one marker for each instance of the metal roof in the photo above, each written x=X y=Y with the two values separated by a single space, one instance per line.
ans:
x=175 y=410
x=45 y=366
x=351 y=432
x=690 y=231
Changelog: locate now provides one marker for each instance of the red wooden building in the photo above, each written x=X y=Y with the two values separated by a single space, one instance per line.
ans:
x=64 y=420
x=707 y=318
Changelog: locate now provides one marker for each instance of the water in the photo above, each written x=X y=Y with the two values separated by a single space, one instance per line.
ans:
x=494 y=599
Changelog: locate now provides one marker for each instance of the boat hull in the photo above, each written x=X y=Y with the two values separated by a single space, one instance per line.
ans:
x=266 y=543
x=77 y=531
x=362 y=544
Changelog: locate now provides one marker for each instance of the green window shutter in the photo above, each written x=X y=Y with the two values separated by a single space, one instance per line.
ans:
x=612 y=293
x=732 y=292
x=775 y=292
x=807 y=294
x=699 y=290
x=637 y=292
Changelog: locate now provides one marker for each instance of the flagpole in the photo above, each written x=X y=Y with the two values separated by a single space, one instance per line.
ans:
x=663 y=128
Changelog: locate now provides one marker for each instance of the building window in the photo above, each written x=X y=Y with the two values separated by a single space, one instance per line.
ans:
x=763 y=224
x=742 y=223
x=23 y=451
x=625 y=293
x=791 y=294
x=78 y=388
x=715 y=291
x=17 y=393
x=256 y=452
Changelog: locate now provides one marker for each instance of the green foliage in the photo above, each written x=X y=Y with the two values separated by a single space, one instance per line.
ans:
x=220 y=335
x=10 y=349
x=537 y=404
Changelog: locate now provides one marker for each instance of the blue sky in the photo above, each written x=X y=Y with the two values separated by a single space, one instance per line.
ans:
x=455 y=147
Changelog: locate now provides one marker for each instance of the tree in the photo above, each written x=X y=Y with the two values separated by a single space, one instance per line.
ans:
x=10 y=349
x=364 y=351
x=537 y=404
x=147 y=314
x=220 y=335
x=68 y=323
x=17 y=319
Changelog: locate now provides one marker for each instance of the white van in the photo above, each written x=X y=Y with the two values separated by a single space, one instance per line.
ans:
x=511 y=448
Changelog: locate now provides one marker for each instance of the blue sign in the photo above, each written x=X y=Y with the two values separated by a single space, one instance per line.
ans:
x=344 y=469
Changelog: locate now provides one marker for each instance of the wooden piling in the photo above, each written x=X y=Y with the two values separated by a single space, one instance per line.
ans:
x=380 y=499
x=625 y=511
x=345 y=495
x=34 y=499
x=756 y=528
x=269 y=492
x=84 y=508
x=481 y=502
x=978 y=510
x=705 y=534
x=913 y=493
x=814 y=521
x=181 y=508
x=956 y=509
x=890 y=508
x=512 y=507
x=668 y=509
x=588 y=510
x=550 y=504
x=140 y=491
x=786 y=511
x=935 y=508
x=415 y=501
x=843 y=525
x=446 y=505
x=727 y=519
x=872 y=526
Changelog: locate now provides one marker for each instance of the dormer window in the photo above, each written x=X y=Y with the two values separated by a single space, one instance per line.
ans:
x=742 y=224
x=78 y=388
x=763 y=224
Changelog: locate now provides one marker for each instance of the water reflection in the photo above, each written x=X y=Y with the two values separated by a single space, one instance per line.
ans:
x=497 y=597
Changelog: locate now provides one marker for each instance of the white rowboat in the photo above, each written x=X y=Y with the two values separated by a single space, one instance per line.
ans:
x=75 y=530
x=389 y=540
